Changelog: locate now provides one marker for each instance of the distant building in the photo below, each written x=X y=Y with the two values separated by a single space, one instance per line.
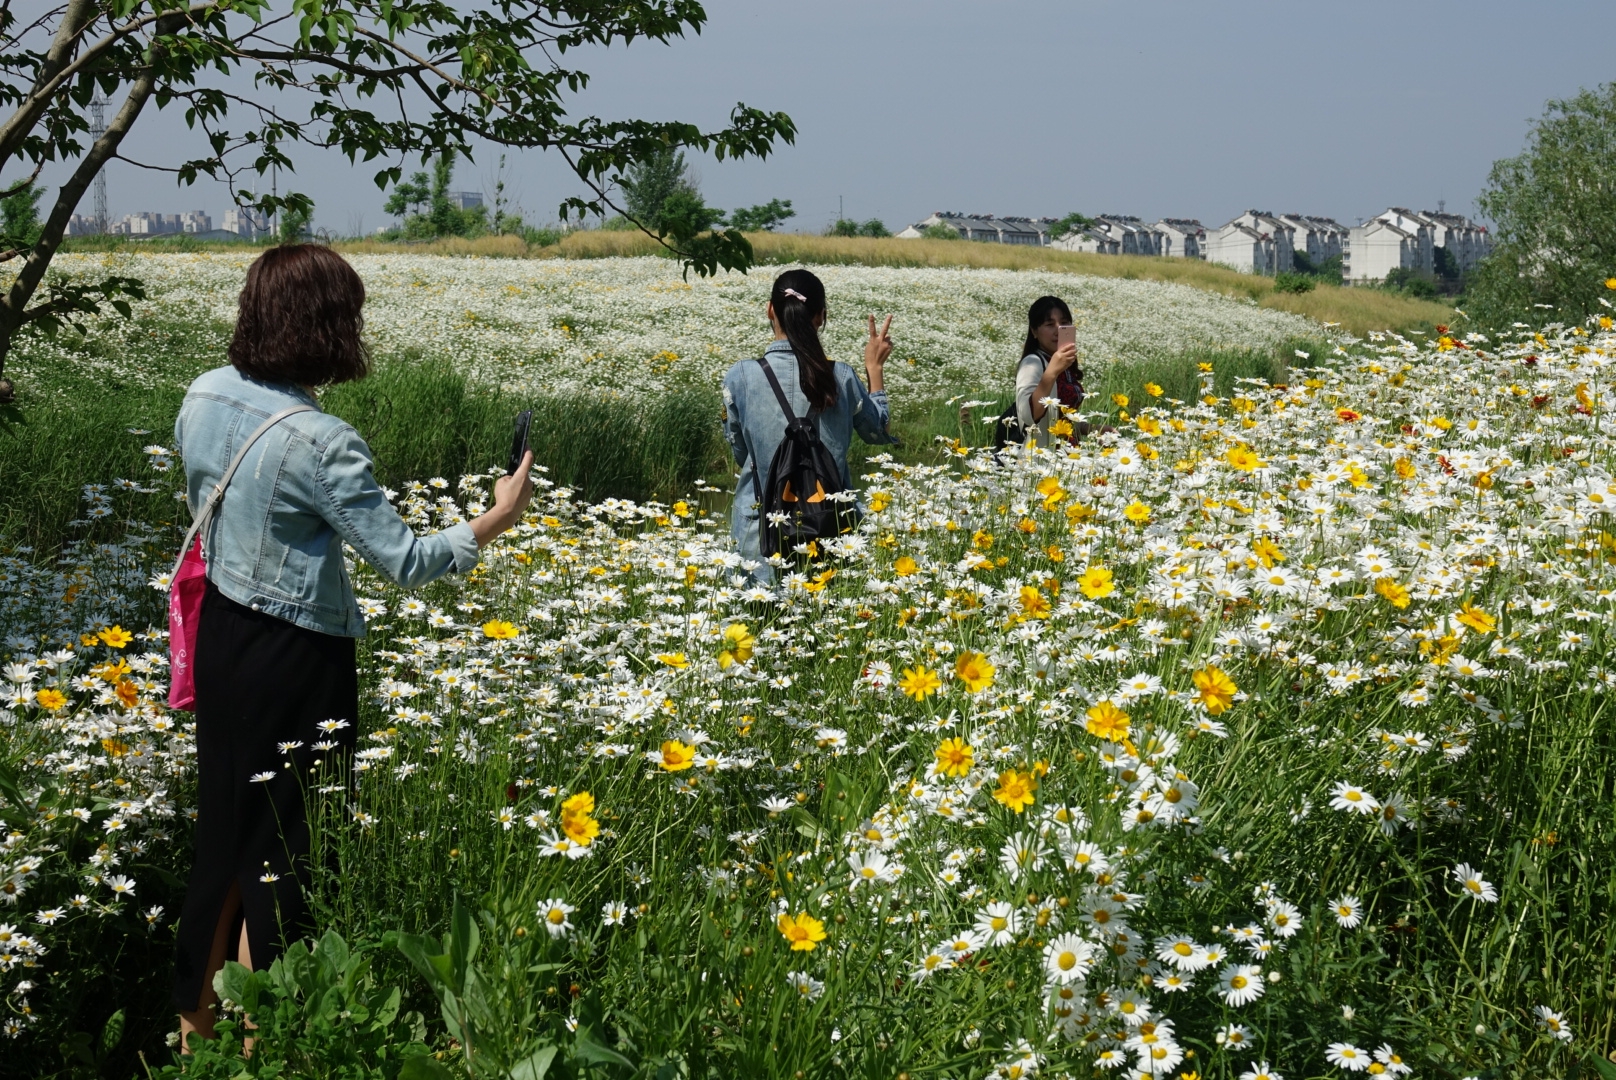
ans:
x=1256 y=242
x=1032 y=232
x=1397 y=239
x=1181 y=238
x=1466 y=242
x=465 y=200
x=80 y=225
x=149 y=224
x=244 y=221
x=1113 y=234
x=1319 y=238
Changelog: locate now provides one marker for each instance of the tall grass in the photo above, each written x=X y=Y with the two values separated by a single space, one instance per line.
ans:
x=421 y=418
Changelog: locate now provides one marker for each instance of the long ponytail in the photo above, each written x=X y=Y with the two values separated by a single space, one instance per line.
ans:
x=799 y=298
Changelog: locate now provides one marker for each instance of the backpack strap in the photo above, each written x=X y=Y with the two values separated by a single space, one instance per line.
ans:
x=216 y=496
x=780 y=395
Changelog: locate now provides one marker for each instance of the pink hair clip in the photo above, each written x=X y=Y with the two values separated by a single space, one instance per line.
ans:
x=795 y=294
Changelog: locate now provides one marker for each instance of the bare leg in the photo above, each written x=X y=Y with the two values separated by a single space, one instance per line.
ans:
x=200 y=1021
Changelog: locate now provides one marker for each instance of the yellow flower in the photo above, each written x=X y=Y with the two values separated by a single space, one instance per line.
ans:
x=981 y=541
x=1214 y=689
x=1015 y=790
x=681 y=509
x=50 y=699
x=1034 y=603
x=116 y=636
x=1136 y=512
x=1395 y=594
x=1244 y=458
x=128 y=693
x=1610 y=283
x=676 y=660
x=1203 y=367
x=905 y=566
x=879 y=501
x=1404 y=468
x=1106 y=721
x=1120 y=400
x=1061 y=428
x=677 y=756
x=499 y=631
x=919 y=683
x=803 y=931
x=1477 y=619
x=974 y=671
x=1267 y=551
x=114 y=747
x=1055 y=553
x=738 y=645
x=1153 y=390
x=955 y=757
x=576 y=820
x=1096 y=583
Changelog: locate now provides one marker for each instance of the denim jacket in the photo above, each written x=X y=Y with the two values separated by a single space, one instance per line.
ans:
x=305 y=487
x=755 y=427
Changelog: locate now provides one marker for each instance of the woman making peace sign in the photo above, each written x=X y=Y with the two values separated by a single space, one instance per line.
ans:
x=830 y=393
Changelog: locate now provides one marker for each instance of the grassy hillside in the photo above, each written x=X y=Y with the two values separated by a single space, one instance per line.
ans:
x=1357 y=310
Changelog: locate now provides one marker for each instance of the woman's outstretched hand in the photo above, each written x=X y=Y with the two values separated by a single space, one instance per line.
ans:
x=511 y=495
x=876 y=351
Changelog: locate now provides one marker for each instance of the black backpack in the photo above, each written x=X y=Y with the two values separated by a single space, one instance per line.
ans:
x=795 y=505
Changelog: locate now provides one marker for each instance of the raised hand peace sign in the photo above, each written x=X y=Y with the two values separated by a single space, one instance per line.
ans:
x=879 y=347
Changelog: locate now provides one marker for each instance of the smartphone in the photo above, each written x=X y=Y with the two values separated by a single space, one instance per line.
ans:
x=1068 y=336
x=524 y=420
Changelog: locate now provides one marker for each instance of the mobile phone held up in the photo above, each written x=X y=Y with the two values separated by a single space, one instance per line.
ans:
x=524 y=420
x=1068 y=335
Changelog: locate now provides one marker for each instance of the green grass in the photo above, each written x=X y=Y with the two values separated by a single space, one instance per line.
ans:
x=421 y=418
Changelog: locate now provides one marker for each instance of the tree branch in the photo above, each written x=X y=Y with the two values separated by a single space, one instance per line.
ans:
x=13 y=310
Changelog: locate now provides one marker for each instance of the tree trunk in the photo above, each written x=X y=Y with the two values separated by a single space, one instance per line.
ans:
x=13 y=309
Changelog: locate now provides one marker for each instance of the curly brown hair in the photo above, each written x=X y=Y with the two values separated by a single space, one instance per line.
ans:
x=299 y=318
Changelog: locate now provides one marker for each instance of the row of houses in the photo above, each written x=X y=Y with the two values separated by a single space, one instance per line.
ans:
x=1256 y=242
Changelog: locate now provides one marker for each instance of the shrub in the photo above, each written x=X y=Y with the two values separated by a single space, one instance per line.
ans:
x=1294 y=283
x=940 y=232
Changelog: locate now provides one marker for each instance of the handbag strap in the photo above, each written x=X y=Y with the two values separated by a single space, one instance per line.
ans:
x=217 y=494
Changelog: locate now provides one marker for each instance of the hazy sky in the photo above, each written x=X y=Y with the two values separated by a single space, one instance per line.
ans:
x=1038 y=107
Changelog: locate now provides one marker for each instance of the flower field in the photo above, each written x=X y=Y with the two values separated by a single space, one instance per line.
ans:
x=635 y=326
x=1263 y=738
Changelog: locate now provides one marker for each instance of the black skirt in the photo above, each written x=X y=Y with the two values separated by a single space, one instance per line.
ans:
x=261 y=684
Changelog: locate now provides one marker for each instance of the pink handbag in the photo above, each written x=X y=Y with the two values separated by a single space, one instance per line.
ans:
x=189 y=580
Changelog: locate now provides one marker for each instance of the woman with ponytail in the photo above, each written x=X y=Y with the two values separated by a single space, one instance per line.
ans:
x=828 y=392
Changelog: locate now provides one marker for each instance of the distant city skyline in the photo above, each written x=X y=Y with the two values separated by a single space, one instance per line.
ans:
x=1038 y=108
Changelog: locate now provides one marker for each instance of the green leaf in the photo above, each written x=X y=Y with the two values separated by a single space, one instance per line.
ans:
x=587 y=1049
x=424 y=1068
x=238 y=984
x=535 y=1066
x=1605 y=1069
x=112 y=1033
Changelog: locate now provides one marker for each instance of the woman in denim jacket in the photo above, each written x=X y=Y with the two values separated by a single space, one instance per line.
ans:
x=754 y=425
x=277 y=690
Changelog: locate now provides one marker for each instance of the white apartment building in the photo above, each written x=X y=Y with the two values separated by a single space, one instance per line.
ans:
x=1113 y=234
x=1399 y=238
x=1319 y=238
x=1033 y=232
x=1256 y=242
x=1181 y=238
